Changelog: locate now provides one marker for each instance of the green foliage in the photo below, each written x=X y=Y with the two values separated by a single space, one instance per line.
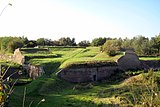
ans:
x=6 y=87
x=10 y=43
x=14 y=44
x=41 y=41
x=84 y=43
x=31 y=43
x=111 y=47
x=99 y=41
x=142 y=45
x=67 y=41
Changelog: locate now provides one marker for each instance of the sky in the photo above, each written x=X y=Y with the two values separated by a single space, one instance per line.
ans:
x=81 y=19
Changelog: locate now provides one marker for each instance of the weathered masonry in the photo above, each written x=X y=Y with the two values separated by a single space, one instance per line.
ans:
x=88 y=72
x=85 y=74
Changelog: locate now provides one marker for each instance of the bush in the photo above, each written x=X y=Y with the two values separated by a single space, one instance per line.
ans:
x=111 y=47
x=6 y=88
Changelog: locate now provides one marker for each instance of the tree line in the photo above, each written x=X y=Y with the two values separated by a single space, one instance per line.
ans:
x=142 y=45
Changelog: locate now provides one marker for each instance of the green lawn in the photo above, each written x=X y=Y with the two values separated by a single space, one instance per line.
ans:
x=65 y=56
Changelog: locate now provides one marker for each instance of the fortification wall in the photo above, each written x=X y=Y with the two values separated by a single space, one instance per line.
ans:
x=17 y=57
x=154 y=64
x=130 y=61
x=86 y=74
x=34 y=71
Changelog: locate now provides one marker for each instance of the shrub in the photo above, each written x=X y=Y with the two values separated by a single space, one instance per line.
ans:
x=6 y=88
x=111 y=47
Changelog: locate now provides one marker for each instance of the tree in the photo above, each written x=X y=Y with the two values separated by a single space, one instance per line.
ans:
x=126 y=43
x=140 y=45
x=63 y=42
x=4 y=42
x=156 y=43
x=73 y=42
x=31 y=43
x=111 y=47
x=10 y=43
x=40 y=41
x=98 y=41
x=48 y=42
x=67 y=41
x=25 y=40
x=84 y=43
x=55 y=43
x=14 y=44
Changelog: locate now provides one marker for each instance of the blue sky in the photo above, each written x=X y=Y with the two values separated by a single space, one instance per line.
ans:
x=81 y=19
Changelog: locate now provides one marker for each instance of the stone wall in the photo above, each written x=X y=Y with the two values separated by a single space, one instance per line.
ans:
x=17 y=57
x=130 y=61
x=154 y=64
x=34 y=71
x=86 y=74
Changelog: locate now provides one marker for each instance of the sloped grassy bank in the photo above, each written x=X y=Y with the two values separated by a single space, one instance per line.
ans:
x=126 y=91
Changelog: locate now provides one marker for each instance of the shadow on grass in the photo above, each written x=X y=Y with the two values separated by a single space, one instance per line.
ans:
x=51 y=67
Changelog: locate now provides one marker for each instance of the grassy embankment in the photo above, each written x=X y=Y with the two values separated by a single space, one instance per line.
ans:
x=58 y=93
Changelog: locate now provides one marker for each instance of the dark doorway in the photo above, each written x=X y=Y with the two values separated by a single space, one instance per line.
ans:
x=94 y=77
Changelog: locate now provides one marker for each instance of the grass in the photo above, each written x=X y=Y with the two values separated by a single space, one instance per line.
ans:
x=8 y=63
x=59 y=93
x=150 y=58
